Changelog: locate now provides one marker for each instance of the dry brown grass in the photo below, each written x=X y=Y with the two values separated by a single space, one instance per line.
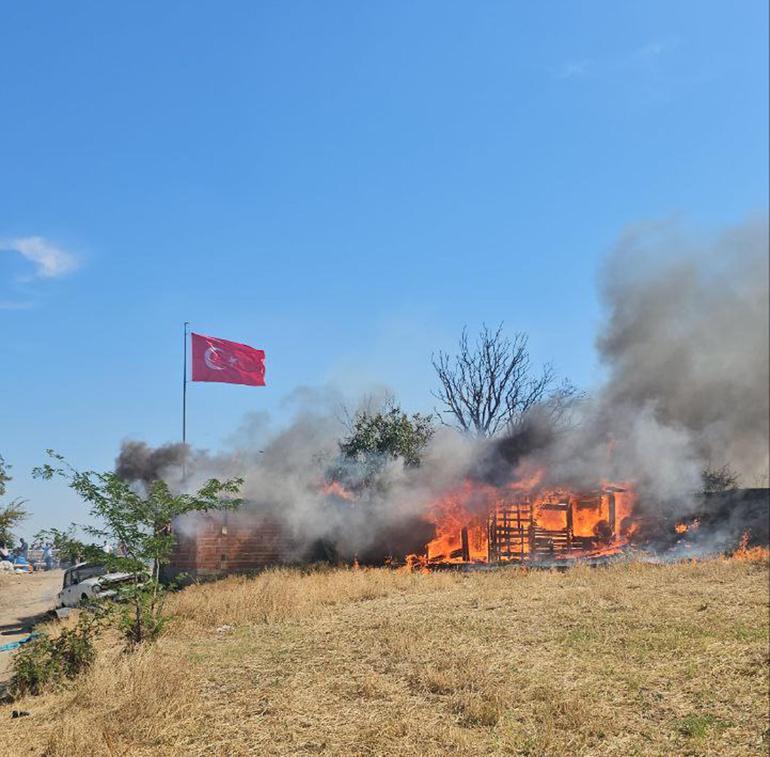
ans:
x=633 y=659
x=283 y=594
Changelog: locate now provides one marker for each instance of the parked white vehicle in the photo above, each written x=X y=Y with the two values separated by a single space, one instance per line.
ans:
x=88 y=581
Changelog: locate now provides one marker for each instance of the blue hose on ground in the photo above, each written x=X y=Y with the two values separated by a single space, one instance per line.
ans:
x=16 y=644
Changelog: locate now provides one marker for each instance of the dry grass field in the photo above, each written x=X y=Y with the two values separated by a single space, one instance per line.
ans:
x=632 y=659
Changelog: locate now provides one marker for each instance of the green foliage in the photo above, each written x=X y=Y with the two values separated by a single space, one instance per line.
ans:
x=142 y=619
x=390 y=433
x=379 y=437
x=698 y=726
x=140 y=522
x=11 y=514
x=69 y=548
x=5 y=477
x=47 y=662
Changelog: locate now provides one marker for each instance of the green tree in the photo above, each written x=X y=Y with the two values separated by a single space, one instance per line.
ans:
x=13 y=512
x=140 y=523
x=379 y=437
x=68 y=547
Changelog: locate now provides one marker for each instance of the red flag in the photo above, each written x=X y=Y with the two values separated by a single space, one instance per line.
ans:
x=232 y=363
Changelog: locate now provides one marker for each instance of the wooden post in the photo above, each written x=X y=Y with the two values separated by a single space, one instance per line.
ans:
x=612 y=513
x=531 y=535
x=492 y=536
x=465 y=546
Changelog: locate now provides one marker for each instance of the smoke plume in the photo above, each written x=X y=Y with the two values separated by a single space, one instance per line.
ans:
x=687 y=335
x=685 y=350
x=139 y=462
x=685 y=347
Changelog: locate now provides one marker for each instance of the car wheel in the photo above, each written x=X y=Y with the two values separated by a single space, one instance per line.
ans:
x=84 y=597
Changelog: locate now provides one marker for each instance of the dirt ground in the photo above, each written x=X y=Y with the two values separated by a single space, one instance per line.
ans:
x=23 y=600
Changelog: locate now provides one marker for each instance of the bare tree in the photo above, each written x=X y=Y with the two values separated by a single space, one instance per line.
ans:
x=719 y=479
x=487 y=387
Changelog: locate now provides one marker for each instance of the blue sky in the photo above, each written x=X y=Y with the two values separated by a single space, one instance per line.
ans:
x=342 y=184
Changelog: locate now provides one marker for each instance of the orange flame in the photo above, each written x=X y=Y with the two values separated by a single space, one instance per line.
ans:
x=683 y=528
x=538 y=522
x=336 y=489
x=464 y=508
x=750 y=554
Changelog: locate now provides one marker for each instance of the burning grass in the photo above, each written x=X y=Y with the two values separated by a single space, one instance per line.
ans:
x=629 y=659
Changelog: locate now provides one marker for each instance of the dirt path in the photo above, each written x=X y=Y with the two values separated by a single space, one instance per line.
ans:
x=23 y=599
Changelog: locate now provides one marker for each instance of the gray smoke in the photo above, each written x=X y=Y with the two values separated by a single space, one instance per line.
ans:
x=688 y=334
x=685 y=348
x=138 y=462
x=287 y=475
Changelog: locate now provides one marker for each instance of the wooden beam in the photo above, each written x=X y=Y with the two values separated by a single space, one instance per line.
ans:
x=465 y=545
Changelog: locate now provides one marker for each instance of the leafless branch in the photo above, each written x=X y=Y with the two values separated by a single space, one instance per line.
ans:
x=488 y=387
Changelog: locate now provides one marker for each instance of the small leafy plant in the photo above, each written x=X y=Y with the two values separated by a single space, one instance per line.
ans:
x=47 y=662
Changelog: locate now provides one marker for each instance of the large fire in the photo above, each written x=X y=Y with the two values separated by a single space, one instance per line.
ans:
x=532 y=522
x=525 y=521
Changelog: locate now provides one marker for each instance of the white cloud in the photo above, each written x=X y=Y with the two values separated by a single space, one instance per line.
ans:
x=641 y=58
x=50 y=261
x=573 y=70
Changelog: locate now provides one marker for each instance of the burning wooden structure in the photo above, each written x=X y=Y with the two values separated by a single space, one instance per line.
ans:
x=477 y=524
x=556 y=525
x=483 y=524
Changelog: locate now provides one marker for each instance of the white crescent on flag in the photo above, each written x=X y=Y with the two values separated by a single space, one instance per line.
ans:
x=209 y=357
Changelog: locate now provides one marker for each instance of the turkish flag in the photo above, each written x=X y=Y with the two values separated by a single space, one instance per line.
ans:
x=229 y=362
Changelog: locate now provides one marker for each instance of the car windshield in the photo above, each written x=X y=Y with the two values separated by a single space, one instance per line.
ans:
x=81 y=573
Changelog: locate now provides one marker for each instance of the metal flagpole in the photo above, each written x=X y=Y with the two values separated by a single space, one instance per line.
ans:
x=184 y=402
x=184 y=384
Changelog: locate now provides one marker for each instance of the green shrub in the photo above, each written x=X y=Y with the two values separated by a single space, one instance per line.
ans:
x=33 y=667
x=47 y=662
